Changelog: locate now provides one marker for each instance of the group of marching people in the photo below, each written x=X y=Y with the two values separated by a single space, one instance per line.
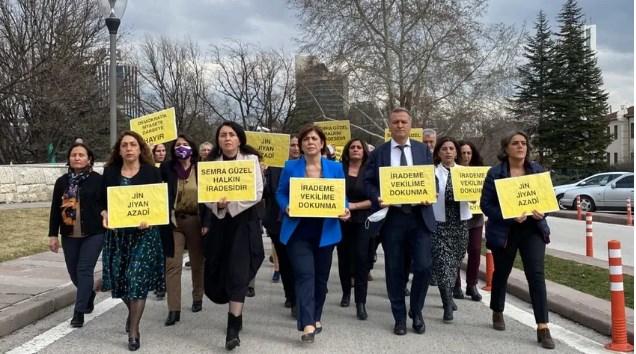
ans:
x=224 y=238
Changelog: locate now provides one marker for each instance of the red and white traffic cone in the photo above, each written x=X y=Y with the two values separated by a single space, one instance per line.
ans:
x=589 y=244
x=630 y=220
x=579 y=212
x=490 y=268
x=619 y=324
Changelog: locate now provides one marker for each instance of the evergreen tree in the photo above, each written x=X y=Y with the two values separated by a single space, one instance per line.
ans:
x=529 y=105
x=574 y=134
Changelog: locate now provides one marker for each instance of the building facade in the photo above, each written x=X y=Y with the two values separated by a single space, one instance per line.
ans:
x=621 y=129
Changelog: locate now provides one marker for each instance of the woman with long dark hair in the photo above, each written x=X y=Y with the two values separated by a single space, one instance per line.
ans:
x=353 y=250
x=233 y=249
x=469 y=156
x=75 y=214
x=527 y=234
x=450 y=238
x=180 y=172
x=133 y=258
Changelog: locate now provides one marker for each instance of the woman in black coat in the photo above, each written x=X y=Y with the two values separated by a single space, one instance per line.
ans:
x=75 y=214
x=133 y=258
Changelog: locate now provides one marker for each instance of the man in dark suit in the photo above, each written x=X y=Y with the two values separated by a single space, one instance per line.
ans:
x=406 y=227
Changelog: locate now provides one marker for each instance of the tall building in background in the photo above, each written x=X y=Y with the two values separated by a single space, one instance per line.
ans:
x=128 y=101
x=318 y=92
x=589 y=31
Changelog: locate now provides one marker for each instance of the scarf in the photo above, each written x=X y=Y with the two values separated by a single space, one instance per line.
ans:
x=182 y=173
x=70 y=198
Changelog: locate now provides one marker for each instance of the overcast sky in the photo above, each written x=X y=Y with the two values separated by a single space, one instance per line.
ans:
x=271 y=23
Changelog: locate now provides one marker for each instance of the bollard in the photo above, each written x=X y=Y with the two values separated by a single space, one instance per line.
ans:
x=630 y=220
x=579 y=212
x=589 y=244
x=619 y=324
x=490 y=268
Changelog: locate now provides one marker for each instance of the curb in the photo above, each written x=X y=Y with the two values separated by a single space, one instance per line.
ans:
x=598 y=217
x=35 y=308
x=572 y=304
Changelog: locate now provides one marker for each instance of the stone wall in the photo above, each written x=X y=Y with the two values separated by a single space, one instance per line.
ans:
x=30 y=183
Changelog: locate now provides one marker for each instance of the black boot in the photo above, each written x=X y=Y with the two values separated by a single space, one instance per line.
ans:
x=473 y=293
x=173 y=317
x=91 y=303
x=232 y=337
x=78 y=320
x=346 y=300
x=361 y=311
x=447 y=299
x=458 y=293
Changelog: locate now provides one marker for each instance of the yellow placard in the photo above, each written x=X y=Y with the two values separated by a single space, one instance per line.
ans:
x=415 y=134
x=339 y=150
x=273 y=147
x=233 y=180
x=129 y=206
x=468 y=181
x=474 y=207
x=525 y=194
x=156 y=128
x=316 y=197
x=338 y=132
x=408 y=184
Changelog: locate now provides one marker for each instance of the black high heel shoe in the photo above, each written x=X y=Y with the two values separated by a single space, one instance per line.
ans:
x=133 y=343
x=308 y=337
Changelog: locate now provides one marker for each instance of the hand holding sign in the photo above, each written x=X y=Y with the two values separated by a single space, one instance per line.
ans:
x=520 y=196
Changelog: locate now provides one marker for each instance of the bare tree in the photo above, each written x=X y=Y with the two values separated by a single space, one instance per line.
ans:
x=433 y=57
x=48 y=89
x=256 y=86
x=174 y=75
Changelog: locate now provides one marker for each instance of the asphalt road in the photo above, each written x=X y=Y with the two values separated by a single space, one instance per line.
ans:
x=269 y=328
x=569 y=235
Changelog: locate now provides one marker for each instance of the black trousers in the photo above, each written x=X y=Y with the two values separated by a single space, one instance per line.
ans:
x=311 y=265
x=353 y=260
x=284 y=267
x=80 y=255
x=532 y=249
x=401 y=233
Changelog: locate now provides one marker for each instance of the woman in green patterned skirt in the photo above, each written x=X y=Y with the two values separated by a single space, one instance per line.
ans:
x=133 y=262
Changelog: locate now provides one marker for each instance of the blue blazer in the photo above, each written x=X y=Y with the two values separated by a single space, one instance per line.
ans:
x=331 y=233
x=498 y=228
x=381 y=157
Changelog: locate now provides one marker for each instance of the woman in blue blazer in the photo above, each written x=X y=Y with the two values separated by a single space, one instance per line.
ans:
x=309 y=241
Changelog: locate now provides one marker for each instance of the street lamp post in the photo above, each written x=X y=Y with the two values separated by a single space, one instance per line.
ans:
x=113 y=10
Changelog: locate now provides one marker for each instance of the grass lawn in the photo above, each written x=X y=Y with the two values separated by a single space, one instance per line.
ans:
x=24 y=232
x=582 y=277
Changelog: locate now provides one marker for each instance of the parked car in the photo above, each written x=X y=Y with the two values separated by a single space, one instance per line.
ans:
x=609 y=194
x=593 y=180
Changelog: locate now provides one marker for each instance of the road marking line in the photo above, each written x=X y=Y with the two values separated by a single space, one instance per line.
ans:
x=566 y=336
x=49 y=337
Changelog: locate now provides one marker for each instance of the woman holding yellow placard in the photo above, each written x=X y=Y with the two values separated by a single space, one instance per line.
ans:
x=309 y=241
x=233 y=249
x=75 y=207
x=528 y=234
x=469 y=156
x=451 y=236
x=133 y=262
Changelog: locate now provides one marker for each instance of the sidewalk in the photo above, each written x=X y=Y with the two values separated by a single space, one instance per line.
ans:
x=33 y=287
x=619 y=219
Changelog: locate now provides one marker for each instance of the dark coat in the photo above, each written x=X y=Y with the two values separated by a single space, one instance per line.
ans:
x=498 y=228
x=147 y=175
x=91 y=205
x=381 y=157
x=273 y=215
